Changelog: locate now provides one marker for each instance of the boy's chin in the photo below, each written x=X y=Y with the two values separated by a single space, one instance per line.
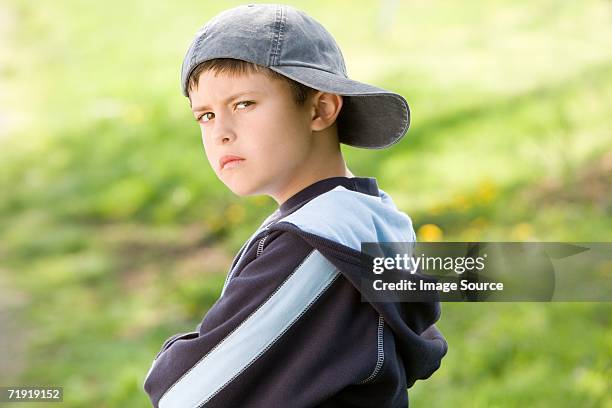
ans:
x=247 y=186
x=241 y=190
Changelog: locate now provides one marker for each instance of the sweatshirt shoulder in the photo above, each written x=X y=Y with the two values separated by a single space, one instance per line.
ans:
x=350 y=218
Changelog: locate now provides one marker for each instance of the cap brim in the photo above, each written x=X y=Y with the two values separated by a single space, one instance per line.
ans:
x=371 y=117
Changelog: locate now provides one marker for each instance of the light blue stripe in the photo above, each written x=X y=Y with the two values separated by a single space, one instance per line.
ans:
x=254 y=336
x=351 y=218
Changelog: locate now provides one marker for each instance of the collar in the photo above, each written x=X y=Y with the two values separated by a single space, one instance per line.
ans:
x=365 y=185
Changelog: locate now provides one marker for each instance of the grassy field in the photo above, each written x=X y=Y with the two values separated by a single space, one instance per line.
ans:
x=115 y=234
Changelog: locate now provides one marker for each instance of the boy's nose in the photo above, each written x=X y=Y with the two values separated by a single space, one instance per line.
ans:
x=222 y=133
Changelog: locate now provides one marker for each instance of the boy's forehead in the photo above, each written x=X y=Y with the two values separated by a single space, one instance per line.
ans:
x=213 y=86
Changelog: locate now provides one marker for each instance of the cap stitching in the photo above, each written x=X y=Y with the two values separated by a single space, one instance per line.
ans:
x=192 y=61
x=276 y=36
x=281 y=35
x=310 y=65
x=400 y=131
x=198 y=45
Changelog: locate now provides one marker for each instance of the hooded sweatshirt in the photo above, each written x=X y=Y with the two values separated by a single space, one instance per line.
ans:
x=291 y=327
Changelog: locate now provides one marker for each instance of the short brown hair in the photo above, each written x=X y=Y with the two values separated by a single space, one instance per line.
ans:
x=238 y=67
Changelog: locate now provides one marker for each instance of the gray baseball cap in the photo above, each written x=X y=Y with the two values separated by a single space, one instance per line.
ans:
x=290 y=42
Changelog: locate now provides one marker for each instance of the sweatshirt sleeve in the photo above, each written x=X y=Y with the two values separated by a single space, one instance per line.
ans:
x=289 y=330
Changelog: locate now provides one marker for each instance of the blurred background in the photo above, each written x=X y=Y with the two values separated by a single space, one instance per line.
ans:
x=116 y=234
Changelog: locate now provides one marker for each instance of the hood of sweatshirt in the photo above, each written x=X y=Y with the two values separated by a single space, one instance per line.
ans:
x=336 y=223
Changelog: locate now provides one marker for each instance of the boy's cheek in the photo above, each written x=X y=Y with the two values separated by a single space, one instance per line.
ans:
x=211 y=160
x=203 y=136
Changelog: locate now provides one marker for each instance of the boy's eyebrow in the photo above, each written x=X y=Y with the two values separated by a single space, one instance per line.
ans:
x=228 y=100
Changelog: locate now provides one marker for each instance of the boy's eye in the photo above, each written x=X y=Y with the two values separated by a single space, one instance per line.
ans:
x=243 y=104
x=208 y=116
x=205 y=117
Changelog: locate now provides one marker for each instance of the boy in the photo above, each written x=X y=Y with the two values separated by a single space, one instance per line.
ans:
x=268 y=87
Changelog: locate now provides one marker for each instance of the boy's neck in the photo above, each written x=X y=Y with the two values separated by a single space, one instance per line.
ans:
x=333 y=168
x=324 y=160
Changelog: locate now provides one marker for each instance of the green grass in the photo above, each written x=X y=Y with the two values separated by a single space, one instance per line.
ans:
x=115 y=233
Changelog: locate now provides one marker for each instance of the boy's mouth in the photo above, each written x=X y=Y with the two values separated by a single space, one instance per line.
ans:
x=228 y=162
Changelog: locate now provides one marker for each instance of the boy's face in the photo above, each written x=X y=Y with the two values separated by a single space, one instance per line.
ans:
x=256 y=138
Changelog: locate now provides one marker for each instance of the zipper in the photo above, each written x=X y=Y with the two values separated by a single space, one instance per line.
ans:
x=237 y=264
x=260 y=246
x=264 y=227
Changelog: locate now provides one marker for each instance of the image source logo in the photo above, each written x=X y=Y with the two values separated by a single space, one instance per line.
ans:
x=487 y=271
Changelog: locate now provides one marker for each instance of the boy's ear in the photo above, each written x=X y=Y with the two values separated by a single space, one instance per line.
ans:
x=325 y=110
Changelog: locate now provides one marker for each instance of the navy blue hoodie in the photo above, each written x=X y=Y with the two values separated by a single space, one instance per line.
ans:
x=290 y=327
